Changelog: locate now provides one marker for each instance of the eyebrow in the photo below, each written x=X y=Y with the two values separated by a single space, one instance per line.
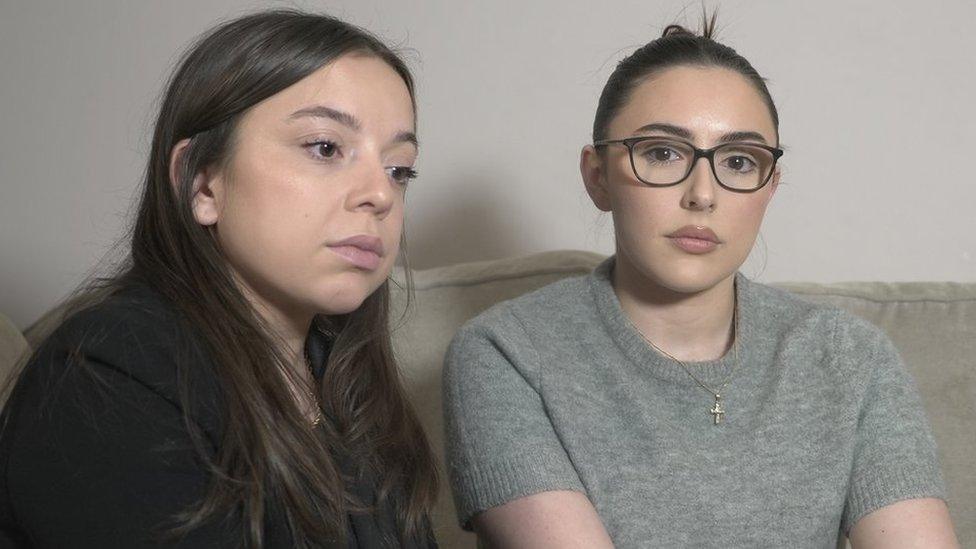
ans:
x=320 y=111
x=677 y=131
x=348 y=120
x=406 y=137
x=685 y=133
x=742 y=136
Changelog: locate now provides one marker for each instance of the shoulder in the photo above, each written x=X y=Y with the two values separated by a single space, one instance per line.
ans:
x=516 y=331
x=847 y=342
x=786 y=308
x=98 y=419
x=134 y=321
x=134 y=333
x=134 y=329
x=551 y=303
x=780 y=307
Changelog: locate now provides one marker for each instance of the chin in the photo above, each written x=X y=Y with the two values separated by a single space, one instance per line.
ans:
x=682 y=275
x=692 y=283
x=343 y=296
x=342 y=306
x=693 y=275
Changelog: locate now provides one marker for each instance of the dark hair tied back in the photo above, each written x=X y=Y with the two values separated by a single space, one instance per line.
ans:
x=677 y=46
x=708 y=26
x=674 y=29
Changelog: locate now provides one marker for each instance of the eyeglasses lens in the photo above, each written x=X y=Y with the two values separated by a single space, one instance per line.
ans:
x=737 y=165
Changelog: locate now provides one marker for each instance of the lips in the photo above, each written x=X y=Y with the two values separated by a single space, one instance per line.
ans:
x=694 y=239
x=362 y=251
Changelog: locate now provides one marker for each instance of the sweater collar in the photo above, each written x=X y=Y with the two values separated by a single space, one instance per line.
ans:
x=634 y=347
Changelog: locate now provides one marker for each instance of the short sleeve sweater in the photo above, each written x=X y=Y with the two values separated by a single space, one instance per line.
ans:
x=556 y=390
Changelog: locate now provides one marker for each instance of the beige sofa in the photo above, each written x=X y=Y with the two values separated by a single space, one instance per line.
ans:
x=933 y=325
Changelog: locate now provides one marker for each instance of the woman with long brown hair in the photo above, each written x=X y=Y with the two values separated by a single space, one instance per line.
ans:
x=234 y=385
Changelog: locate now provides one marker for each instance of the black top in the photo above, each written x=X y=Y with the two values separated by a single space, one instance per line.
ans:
x=99 y=456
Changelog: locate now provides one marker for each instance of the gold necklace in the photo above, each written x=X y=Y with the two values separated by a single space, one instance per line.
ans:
x=313 y=397
x=717 y=410
x=318 y=409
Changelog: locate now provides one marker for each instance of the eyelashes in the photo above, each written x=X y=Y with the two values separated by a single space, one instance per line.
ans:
x=325 y=150
x=322 y=149
x=402 y=174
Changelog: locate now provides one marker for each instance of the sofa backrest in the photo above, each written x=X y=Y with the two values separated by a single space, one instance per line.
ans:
x=932 y=324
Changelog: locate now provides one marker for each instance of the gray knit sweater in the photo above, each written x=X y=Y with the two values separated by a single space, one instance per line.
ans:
x=556 y=390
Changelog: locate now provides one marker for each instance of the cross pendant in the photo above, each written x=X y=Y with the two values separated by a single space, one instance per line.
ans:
x=717 y=410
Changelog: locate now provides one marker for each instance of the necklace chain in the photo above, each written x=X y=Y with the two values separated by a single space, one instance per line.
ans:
x=717 y=411
x=313 y=396
x=318 y=408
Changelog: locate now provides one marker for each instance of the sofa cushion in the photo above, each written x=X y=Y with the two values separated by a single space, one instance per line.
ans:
x=932 y=324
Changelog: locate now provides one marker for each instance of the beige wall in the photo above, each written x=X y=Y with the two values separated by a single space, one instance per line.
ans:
x=875 y=99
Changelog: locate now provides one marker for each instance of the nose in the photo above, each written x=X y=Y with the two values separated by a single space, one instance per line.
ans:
x=700 y=193
x=372 y=191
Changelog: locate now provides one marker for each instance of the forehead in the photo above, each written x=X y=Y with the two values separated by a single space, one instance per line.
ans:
x=361 y=85
x=708 y=101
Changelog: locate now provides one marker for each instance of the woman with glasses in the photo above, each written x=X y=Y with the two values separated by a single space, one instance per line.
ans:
x=234 y=385
x=665 y=400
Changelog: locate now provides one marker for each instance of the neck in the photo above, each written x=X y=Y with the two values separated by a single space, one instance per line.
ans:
x=691 y=327
x=289 y=328
x=289 y=332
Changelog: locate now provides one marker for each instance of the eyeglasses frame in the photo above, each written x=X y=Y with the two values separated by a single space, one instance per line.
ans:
x=708 y=154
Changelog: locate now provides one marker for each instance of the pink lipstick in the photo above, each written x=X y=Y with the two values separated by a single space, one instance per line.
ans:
x=695 y=239
x=363 y=251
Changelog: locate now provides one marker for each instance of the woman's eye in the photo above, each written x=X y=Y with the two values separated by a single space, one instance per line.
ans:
x=662 y=154
x=323 y=149
x=740 y=163
x=401 y=174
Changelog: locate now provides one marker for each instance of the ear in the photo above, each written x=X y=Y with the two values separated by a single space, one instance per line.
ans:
x=773 y=184
x=206 y=186
x=593 y=170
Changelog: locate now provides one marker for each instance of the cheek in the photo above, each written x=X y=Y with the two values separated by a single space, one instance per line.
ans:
x=635 y=204
x=640 y=210
x=272 y=230
x=271 y=218
x=744 y=220
x=392 y=235
x=748 y=214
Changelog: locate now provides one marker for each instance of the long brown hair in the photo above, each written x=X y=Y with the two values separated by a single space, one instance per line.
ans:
x=268 y=453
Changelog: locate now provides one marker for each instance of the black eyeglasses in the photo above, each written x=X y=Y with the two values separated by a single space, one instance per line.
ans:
x=661 y=162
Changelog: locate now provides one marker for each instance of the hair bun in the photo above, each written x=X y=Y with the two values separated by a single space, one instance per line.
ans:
x=708 y=27
x=676 y=30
